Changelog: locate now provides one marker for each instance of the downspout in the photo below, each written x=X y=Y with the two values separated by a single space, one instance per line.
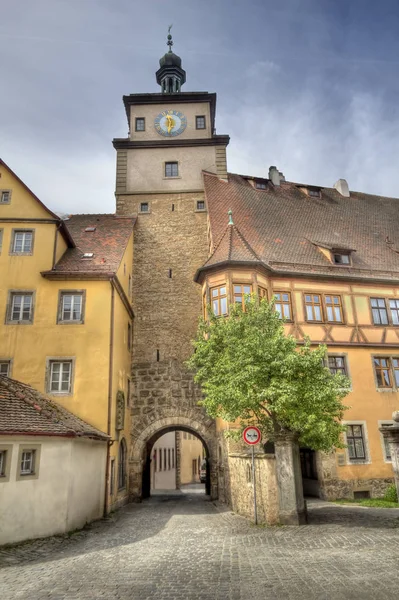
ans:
x=110 y=373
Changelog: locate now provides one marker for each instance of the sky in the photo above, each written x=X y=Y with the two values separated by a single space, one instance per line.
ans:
x=310 y=86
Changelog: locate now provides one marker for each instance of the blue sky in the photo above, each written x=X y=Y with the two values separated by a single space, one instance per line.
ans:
x=311 y=86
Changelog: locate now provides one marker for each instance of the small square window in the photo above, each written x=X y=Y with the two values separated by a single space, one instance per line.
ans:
x=22 y=242
x=200 y=204
x=144 y=207
x=314 y=193
x=200 y=122
x=171 y=169
x=20 y=308
x=5 y=367
x=342 y=259
x=260 y=185
x=60 y=377
x=28 y=461
x=140 y=124
x=5 y=196
x=337 y=365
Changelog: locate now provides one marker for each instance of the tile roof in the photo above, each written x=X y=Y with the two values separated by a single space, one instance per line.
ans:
x=107 y=243
x=284 y=226
x=24 y=410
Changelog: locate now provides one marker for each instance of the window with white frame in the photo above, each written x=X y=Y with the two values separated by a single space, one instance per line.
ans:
x=5 y=196
x=60 y=377
x=22 y=241
x=5 y=367
x=27 y=466
x=21 y=307
x=71 y=307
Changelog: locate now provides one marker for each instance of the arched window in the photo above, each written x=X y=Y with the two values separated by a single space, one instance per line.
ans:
x=122 y=454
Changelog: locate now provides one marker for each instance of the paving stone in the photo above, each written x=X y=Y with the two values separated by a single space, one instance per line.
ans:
x=185 y=547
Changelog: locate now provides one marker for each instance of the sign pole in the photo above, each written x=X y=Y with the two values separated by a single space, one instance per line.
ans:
x=254 y=484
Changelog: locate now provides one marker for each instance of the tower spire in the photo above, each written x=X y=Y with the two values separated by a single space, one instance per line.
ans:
x=170 y=76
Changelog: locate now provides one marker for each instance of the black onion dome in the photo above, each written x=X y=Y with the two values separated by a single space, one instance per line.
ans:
x=170 y=59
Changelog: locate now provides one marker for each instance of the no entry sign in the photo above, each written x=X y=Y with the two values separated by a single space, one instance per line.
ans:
x=251 y=435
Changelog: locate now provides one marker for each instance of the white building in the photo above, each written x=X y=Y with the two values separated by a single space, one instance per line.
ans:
x=52 y=466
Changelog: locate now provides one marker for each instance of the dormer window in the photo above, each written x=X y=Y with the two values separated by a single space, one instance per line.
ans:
x=315 y=193
x=260 y=185
x=341 y=259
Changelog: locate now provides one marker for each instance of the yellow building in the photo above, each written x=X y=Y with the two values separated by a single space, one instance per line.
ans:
x=191 y=456
x=330 y=259
x=66 y=325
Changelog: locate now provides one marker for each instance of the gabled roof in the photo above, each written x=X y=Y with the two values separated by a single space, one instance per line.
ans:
x=24 y=410
x=282 y=226
x=103 y=236
x=231 y=248
x=64 y=230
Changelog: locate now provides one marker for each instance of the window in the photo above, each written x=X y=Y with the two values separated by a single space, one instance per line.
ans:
x=27 y=462
x=3 y=460
x=5 y=367
x=5 y=196
x=122 y=453
x=22 y=242
x=129 y=336
x=171 y=169
x=200 y=204
x=379 y=311
x=283 y=305
x=144 y=207
x=385 y=444
x=219 y=301
x=355 y=442
x=60 y=377
x=240 y=291
x=71 y=307
x=333 y=309
x=314 y=193
x=20 y=308
x=261 y=185
x=262 y=292
x=313 y=307
x=341 y=259
x=394 y=308
x=112 y=478
x=200 y=122
x=386 y=371
x=140 y=124
x=337 y=365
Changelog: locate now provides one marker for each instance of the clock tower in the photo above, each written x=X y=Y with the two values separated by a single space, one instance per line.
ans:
x=171 y=141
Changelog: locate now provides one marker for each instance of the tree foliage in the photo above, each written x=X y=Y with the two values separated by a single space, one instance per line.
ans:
x=250 y=370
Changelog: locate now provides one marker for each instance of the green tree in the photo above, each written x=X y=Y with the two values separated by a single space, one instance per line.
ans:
x=250 y=370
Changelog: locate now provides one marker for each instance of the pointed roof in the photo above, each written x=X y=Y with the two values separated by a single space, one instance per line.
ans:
x=232 y=248
x=25 y=411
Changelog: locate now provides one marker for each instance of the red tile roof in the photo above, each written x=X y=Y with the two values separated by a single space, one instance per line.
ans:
x=107 y=243
x=24 y=410
x=283 y=226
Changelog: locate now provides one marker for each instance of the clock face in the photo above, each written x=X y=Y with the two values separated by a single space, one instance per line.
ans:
x=170 y=123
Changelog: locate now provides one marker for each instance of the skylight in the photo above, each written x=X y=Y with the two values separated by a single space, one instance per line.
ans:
x=88 y=255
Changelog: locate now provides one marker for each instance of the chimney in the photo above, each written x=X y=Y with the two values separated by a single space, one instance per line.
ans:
x=275 y=176
x=342 y=187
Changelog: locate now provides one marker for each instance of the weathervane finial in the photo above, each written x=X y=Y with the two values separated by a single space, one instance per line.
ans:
x=230 y=213
x=170 y=42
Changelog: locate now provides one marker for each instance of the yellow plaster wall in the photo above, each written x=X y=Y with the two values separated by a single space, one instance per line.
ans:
x=23 y=205
x=190 y=449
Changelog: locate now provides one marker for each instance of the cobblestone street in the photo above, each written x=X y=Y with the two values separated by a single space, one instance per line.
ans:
x=186 y=547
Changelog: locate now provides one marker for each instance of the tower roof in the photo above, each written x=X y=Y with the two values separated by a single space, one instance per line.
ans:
x=170 y=76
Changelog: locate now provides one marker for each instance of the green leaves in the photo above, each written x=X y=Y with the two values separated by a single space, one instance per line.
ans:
x=249 y=369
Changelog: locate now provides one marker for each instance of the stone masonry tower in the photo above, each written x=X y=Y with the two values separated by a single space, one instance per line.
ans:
x=159 y=180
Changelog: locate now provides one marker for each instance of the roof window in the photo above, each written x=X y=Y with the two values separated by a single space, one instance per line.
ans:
x=314 y=192
x=341 y=258
x=88 y=255
x=261 y=185
x=90 y=228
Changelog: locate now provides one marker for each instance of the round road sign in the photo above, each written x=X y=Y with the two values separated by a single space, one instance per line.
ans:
x=251 y=435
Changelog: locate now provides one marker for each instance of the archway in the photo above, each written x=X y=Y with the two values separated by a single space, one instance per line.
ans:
x=140 y=459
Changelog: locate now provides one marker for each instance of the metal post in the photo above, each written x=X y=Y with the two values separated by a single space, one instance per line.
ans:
x=254 y=484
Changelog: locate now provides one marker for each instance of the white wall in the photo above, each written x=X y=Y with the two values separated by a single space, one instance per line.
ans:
x=70 y=471
x=165 y=479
